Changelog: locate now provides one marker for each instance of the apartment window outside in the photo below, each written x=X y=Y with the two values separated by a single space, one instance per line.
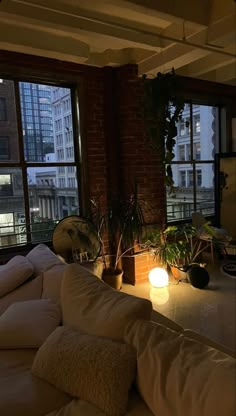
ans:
x=5 y=184
x=197 y=151
x=3 y=109
x=196 y=124
x=4 y=148
x=193 y=165
x=199 y=177
x=182 y=174
x=33 y=197
x=181 y=152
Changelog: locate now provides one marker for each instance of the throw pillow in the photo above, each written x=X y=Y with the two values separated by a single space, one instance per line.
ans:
x=180 y=376
x=27 y=324
x=42 y=258
x=15 y=272
x=95 y=369
x=92 y=306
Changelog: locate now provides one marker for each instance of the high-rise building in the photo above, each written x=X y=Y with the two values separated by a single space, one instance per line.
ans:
x=36 y=118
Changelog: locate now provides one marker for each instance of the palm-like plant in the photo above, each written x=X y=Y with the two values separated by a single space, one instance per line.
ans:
x=122 y=223
x=125 y=224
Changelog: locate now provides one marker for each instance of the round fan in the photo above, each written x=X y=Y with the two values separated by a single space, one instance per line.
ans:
x=75 y=238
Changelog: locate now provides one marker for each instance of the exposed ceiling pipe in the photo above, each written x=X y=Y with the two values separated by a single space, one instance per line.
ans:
x=205 y=47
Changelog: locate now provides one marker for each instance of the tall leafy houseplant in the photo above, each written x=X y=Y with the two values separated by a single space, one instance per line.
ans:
x=163 y=107
x=124 y=224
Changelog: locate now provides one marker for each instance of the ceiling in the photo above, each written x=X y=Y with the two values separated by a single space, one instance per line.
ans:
x=196 y=37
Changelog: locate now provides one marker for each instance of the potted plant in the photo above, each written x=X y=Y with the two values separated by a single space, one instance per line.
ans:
x=123 y=223
x=177 y=248
x=165 y=246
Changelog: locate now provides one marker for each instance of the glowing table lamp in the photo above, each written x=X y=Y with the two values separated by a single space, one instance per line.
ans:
x=158 y=277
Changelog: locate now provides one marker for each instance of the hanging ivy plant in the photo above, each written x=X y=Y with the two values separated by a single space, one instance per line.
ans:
x=163 y=108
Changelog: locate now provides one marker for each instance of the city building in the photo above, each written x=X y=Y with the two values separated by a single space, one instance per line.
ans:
x=36 y=119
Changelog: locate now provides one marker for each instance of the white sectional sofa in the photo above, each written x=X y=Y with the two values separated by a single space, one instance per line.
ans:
x=72 y=346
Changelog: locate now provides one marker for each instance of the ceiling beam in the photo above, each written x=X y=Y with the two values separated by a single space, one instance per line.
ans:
x=29 y=39
x=179 y=56
x=74 y=23
x=193 y=11
x=207 y=64
x=223 y=74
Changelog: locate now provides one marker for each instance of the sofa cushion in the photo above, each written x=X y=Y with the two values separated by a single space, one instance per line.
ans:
x=52 y=279
x=27 y=324
x=201 y=338
x=180 y=376
x=77 y=407
x=27 y=291
x=15 y=272
x=42 y=258
x=91 y=305
x=163 y=320
x=22 y=394
x=95 y=369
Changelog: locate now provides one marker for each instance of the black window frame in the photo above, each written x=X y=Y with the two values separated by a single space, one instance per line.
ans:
x=23 y=164
x=193 y=164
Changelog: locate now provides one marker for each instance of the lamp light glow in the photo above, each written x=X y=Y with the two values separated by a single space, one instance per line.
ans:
x=158 y=277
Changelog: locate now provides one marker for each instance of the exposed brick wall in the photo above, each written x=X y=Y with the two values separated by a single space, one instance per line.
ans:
x=94 y=135
x=117 y=151
x=138 y=159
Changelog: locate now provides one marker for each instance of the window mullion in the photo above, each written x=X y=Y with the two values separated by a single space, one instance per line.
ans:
x=22 y=163
x=193 y=162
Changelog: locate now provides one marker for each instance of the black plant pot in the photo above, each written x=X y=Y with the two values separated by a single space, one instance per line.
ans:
x=198 y=276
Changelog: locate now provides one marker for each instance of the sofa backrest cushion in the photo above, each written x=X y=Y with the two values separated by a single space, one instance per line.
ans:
x=91 y=305
x=15 y=272
x=52 y=279
x=28 y=291
x=42 y=258
x=180 y=376
x=27 y=324
x=95 y=369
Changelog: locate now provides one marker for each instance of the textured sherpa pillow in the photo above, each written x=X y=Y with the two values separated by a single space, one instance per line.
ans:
x=180 y=376
x=28 y=324
x=95 y=369
x=90 y=305
x=14 y=273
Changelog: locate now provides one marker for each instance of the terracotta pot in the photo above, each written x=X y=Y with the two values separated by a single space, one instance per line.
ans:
x=178 y=273
x=113 y=278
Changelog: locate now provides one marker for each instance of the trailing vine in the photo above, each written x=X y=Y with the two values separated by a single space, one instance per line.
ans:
x=163 y=107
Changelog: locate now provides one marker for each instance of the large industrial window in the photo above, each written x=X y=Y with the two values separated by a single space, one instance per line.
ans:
x=193 y=165
x=39 y=162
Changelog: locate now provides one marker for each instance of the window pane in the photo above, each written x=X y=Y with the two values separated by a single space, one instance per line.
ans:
x=53 y=195
x=12 y=210
x=205 y=190
x=9 y=149
x=47 y=123
x=197 y=140
x=180 y=205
